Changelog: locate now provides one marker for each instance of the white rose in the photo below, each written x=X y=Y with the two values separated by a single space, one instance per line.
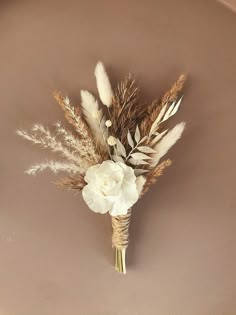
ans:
x=111 y=187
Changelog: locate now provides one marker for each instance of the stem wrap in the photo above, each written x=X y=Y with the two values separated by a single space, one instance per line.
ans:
x=120 y=239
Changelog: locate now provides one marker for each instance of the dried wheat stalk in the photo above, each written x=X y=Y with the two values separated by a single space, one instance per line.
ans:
x=155 y=107
x=75 y=117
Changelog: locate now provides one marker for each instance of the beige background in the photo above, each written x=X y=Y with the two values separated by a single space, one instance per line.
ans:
x=231 y=4
x=55 y=254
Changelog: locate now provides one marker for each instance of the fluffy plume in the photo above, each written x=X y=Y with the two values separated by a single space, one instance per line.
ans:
x=167 y=142
x=70 y=140
x=103 y=84
x=55 y=167
x=43 y=137
x=93 y=116
x=80 y=151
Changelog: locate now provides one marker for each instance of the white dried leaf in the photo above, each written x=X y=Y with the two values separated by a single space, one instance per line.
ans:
x=137 y=162
x=138 y=172
x=168 y=112
x=140 y=156
x=176 y=106
x=117 y=158
x=146 y=149
x=137 y=134
x=158 y=120
x=120 y=148
x=130 y=140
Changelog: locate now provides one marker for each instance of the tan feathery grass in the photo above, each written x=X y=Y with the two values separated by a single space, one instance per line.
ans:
x=154 y=174
x=155 y=107
x=76 y=183
x=74 y=116
x=172 y=94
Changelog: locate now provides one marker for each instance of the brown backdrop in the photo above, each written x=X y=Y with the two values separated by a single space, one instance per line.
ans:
x=55 y=254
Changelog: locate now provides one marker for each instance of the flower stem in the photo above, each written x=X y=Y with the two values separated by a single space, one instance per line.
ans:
x=120 y=265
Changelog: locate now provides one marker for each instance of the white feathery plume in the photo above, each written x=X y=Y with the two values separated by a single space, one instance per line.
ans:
x=47 y=140
x=55 y=167
x=44 y=138
x=103 y=84
x=93 y=116
x=163 y=146
x=75 y=144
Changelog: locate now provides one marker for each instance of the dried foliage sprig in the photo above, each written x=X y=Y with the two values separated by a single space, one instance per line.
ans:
x=113 y=151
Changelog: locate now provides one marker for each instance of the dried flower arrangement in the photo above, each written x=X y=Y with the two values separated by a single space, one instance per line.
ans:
x=112 y=154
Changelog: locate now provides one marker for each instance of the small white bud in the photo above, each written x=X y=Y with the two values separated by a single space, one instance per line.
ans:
x=108 y=123
x=111 y=141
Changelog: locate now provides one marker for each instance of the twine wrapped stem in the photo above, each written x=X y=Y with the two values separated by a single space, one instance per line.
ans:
x=120 y=239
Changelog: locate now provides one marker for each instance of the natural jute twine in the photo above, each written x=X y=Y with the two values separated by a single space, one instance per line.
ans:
x=120 y=239
x=120 y=235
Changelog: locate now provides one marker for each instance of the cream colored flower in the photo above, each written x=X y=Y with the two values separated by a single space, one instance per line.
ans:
x=111 y=141
x=111 y=187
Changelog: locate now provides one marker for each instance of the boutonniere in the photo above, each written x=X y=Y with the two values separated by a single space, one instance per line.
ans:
x=112 y=152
